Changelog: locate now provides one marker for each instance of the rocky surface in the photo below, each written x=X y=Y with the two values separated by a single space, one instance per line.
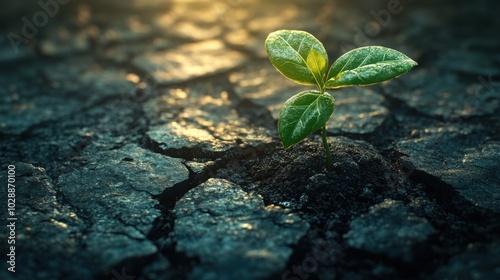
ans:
x=471 y=167
x=234 y=234
x=190 y=121
x=144 y=140
x=475 y=263
x=189 y=61
x=389 y=229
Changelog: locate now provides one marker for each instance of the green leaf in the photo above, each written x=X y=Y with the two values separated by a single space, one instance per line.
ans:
x=316 y=62
x=303 y=114
x=367 y=66
x=289 y=51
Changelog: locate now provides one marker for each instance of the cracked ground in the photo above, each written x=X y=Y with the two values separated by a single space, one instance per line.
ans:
x=144 y=140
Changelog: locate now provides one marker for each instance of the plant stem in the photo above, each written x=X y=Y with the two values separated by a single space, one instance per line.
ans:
x=329 y=162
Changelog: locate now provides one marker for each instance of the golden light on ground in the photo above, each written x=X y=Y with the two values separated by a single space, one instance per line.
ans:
x=247 y=226
x=258 y=254
x=179 y=93
x=133 y=78
x=191 y=133
x=59 y=224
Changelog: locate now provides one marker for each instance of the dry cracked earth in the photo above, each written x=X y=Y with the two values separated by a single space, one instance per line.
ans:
x=144 y=140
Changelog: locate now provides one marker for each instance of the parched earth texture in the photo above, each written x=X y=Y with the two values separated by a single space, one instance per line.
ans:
x=143 y=135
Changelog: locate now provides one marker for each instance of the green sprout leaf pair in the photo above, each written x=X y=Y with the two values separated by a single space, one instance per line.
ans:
x=302 y=58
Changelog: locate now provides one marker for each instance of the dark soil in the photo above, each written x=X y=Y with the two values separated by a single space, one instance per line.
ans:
x=361 y=178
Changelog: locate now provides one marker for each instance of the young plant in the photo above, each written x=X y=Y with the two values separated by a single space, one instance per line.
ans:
x=302 y=58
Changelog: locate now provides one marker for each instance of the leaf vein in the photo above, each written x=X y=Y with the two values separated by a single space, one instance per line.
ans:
x=364 y=60
x=301 y=58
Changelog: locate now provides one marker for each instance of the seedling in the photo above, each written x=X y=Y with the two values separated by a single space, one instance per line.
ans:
x=302 y=58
